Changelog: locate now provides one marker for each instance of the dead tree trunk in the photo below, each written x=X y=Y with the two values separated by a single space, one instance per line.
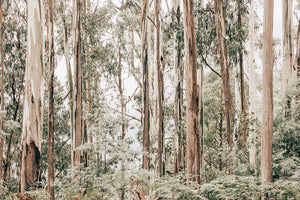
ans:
x=33 y=99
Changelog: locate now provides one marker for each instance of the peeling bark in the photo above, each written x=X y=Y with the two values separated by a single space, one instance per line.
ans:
x=33 y=100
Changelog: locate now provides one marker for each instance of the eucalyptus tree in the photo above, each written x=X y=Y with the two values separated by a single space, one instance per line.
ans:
x=2 y=88
x=77 y=90
x=267 y=120
x=193 y=143
x=179 y=163
x=220 y=28
x=51 y=102
x=33 y=98
x=252 y=99
x=287 y=41
x=145 y=63
x=160 y=90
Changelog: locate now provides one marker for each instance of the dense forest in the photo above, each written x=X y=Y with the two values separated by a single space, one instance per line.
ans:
x=149 y=100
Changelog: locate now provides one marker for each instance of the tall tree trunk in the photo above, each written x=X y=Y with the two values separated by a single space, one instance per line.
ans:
x=287 y=26
x=267 y=121
x=159 y=87
x=243 y=94
x=252 y=99
x=78 y=82
x=70 y=81
x=224 y=69
x=193 y=140
x=178 y=102
x=51 y=102
x=10 y=140
x=2 y=89
x=145 y=62
x=287 y=19
x=33 y=100
x=201 y=112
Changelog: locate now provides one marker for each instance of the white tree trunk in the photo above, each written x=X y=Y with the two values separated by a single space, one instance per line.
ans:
x=33 y=99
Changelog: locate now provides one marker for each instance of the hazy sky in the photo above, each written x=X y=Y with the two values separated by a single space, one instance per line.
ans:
x=277 y=33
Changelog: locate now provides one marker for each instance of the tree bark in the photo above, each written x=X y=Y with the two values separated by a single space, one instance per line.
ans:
x=252 y=98
x=267 y=120
x=33 y=100
x=145 y=62
x=159 y=87
x=178 y=102
x=193 y=140
x=51 y=102
x=224 y=69
x=2 y=89
x=78 y=82
x=243 y=93
x=287 y=25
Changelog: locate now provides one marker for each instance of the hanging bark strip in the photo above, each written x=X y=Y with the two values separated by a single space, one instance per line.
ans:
x=51 y=102
x=224 y=69
x=145 y=62
x=193 y=140
x=33 y=99
x=267 y=121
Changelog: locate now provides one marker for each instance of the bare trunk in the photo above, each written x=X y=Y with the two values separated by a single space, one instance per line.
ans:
x=2 y=90
x=145 y=62
x=51 y=103
x=178 y=103
x=10 y=140
x=252 y=87
x=33 y=100
x=70 y=82
x=267 y=121
x=159 y=87
x=287 y=19
x=201 y=112
x=193 y=159
x=78 y=82
x=243 y=94
x=224 y=69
